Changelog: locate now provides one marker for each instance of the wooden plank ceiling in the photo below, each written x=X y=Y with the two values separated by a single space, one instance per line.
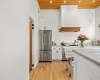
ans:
x=55 y=4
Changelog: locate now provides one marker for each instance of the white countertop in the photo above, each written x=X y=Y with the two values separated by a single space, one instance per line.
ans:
x=78 y=47
x=56 y=46
x=91 y=53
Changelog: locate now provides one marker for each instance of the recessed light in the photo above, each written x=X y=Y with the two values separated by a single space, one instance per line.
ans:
x=93 y=1
x=79 y=1
x=64 y=1
x=51 y=1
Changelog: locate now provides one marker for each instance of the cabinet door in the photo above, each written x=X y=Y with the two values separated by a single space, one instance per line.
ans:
x=92 y=72
x=54 y=56
x=59 y=56
x=81 y=75
x=54 y=53
x=59 y=50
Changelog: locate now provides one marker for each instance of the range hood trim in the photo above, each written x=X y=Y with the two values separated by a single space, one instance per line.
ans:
x=69 y=29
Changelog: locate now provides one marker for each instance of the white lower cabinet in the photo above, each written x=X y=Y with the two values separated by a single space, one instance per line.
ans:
x=56 y=53
x=85 y=69
x=59 y=56
x=81 y=75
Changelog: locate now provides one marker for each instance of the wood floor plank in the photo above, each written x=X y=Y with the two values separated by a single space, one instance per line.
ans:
x=50 y=71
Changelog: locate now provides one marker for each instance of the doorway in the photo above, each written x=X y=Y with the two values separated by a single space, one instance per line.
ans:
x=31 y=24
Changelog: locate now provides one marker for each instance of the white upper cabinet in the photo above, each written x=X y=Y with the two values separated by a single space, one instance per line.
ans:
x=69 y=16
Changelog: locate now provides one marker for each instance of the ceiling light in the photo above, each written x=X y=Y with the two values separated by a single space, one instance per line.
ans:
x=64 y=1
x=93 y=1
x=79 y=1
x=51 y=1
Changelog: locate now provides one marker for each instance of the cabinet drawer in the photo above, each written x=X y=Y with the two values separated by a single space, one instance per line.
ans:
x=59 y=48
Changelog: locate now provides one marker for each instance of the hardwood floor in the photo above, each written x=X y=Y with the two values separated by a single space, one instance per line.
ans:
x=50 y=71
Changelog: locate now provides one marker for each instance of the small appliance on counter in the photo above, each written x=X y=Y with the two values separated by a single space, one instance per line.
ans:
x=53 y=43
x=63 y=44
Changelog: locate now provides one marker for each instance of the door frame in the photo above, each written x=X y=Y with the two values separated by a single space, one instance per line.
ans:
x=30 y=59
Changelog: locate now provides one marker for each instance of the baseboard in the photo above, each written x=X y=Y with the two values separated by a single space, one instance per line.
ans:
x=36 y=64
x=45 y=61
x=56 y=60
x=64 y=60
x=30 y=70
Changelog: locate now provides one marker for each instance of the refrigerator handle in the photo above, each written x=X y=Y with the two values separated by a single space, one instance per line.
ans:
x=43 y=39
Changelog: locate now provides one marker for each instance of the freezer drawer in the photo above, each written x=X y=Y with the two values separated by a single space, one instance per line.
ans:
x=45 y=56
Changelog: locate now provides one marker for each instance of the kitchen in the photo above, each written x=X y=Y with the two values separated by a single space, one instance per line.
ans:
x=65 y=24
x=66 y=20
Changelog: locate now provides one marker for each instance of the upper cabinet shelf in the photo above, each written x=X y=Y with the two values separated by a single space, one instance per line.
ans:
x=69 y=29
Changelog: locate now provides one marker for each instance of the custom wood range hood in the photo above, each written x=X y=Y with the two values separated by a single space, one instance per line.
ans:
x=69 y=29
x=68 y=22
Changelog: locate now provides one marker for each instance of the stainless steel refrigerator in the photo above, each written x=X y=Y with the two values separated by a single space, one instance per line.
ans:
x=45 y=45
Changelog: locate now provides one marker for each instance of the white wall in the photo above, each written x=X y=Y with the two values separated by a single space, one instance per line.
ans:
x=34 y=15
x=84 y=17
x=97 y=14
x=14 y=38
x=52 y=22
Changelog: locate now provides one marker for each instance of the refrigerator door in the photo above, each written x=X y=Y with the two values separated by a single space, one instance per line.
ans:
x=41 y=38
x=45 y=40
